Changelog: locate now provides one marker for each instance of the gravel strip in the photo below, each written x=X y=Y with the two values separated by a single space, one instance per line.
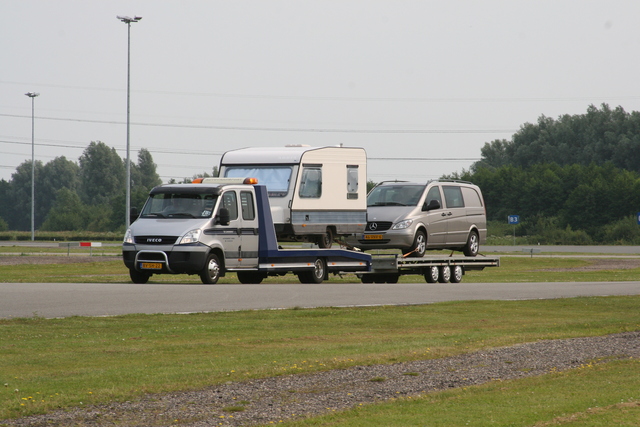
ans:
x=280 y=398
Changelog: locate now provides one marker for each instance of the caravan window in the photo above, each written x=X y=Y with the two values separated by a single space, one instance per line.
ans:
x=352 y=181
x=311 y=183
x=276 y=178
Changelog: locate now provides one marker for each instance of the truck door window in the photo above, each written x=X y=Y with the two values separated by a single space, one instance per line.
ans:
x=352 y=181
x=248 y=209
x=311 y=183
x=230 y=201
x=453 y=196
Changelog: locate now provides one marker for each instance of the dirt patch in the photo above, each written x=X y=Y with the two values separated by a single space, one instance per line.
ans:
x=54 y=259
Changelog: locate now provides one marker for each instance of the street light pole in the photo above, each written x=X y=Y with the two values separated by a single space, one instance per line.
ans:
x=128 y=21
x=32 y=95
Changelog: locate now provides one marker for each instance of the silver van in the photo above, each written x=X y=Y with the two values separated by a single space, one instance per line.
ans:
x=414 y=217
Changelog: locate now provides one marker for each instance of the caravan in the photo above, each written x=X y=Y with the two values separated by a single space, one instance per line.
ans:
x=315 y=193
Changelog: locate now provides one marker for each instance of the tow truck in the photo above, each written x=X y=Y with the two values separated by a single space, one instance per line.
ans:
x=218 y=225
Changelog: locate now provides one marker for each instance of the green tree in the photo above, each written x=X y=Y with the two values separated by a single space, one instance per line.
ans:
x=68 y=212
x=20 y=197
x=102 y=174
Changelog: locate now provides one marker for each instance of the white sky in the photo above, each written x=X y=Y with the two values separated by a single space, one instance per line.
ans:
x=421 y=85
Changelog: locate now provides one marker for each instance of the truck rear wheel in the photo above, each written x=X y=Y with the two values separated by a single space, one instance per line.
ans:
x=211 y=271
x=138 y=277
x=316 y=275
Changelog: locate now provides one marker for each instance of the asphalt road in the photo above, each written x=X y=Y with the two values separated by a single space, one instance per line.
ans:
x=98 y=299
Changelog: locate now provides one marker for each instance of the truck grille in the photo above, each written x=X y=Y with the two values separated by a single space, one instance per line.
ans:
x=156 y=240
x=378 y=226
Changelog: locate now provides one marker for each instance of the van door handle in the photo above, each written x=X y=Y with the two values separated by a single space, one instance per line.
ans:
x=446 y=214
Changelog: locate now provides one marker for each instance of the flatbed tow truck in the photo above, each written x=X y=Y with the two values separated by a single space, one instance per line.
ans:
x=223 y=225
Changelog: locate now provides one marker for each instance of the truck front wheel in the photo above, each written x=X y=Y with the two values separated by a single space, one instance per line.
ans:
x=138 y=277
x=211 y=271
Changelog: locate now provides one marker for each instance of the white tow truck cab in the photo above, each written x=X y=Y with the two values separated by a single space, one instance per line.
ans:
x=220 y=225
x=315 y=193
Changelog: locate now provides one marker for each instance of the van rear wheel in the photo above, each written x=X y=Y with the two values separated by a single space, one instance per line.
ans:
x=473 y=245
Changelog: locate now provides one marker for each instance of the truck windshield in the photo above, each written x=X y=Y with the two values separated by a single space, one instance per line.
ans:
x=395 y=195
x=276 y=178
x=178 y=205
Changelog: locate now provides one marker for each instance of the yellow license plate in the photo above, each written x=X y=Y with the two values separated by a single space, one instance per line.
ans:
x=373 y=237
x=151 y=266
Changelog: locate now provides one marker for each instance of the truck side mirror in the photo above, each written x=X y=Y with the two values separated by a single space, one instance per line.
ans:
x=433 y=204
x=223 y=216
x=133 y=215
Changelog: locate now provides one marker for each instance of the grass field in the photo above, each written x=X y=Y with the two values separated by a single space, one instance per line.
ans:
x=59 y=363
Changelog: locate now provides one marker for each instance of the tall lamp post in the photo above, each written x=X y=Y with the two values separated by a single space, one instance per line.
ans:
x=128 y=21
x=32 y=95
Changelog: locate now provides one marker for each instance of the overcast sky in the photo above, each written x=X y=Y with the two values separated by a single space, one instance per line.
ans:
x=421 y=85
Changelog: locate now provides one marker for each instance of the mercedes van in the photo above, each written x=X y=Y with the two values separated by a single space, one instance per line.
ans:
x=415 y=217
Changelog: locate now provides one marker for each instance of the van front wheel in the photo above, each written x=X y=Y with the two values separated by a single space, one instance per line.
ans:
x=419 y=247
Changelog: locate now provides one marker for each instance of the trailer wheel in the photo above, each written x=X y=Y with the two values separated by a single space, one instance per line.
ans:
x=326 y=240
x=138 y=277
x=456 y=274
x=432 y=274
x=316 y=275
x=391 y=278
x=445 y=274
x=211 y=271
x=367 y=278
x=473 y=245
x=250 y=277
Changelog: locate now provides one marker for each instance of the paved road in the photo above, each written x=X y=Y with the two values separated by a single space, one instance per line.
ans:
x=97 y=299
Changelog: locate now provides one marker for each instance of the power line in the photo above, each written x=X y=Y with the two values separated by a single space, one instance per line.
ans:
x=278 y=129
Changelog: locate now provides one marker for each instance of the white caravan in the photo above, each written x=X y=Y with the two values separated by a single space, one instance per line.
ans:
x=315 y=193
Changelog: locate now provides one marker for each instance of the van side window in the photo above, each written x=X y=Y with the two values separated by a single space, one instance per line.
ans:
x=246 y=202
x=230 y=201
x=453 y=196
x=434 y=194
x=471 y=198
x=311 y=183
x=352 y=181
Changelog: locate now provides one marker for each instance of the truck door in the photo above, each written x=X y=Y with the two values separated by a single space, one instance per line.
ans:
x=231 y=237
x=248 y=230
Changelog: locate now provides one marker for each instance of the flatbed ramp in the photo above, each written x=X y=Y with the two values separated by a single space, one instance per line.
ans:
x=443 y=269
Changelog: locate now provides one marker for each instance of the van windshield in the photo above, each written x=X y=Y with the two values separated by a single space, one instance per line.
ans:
x=395 y=195
x=275 y=178
x=179 y=205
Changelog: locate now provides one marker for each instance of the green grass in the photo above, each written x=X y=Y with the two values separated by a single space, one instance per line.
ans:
x=594 y=395
x=53 y=363
x=512 y=269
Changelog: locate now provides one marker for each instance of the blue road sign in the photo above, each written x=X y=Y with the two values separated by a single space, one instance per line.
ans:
x=638 y=218
x=515 y=219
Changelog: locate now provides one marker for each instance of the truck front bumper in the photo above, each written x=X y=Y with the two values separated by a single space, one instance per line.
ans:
x=165 y=259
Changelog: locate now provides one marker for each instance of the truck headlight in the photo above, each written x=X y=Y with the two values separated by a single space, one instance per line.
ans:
x=128 y=237
x=192 y=236
x=402 y=224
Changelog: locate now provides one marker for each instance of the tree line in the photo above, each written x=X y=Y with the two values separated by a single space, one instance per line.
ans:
x=88 y=195
x=574 y=180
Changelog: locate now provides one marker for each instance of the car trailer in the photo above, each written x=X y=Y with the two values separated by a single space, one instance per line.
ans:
x=388 y=268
